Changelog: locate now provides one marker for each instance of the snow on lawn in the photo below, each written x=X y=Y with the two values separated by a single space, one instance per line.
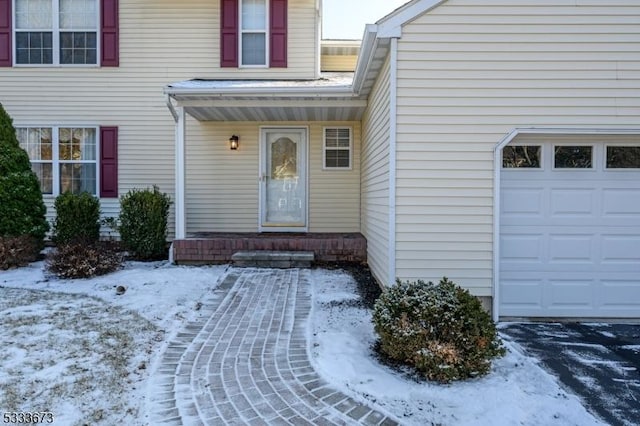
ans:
x=80 y=351
x=517 y=391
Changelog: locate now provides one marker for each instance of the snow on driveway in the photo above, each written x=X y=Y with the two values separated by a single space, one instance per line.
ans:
x=81 y=351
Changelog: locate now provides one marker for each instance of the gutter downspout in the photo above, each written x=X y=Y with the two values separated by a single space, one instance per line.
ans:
x=318 y=55
x=393 y=135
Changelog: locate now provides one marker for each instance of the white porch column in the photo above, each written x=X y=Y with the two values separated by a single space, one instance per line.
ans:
x=181 y=216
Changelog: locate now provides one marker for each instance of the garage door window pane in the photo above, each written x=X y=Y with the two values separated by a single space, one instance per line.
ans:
x=573 y=157
x=623 y=157
x=525 y=156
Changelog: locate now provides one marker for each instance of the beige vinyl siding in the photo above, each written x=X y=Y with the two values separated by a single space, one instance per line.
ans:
x=334 y=202
x=223 y=187
x=470 y=72
x=186 y=39
x=337 y=63
x=375 y=176
x=161 y=42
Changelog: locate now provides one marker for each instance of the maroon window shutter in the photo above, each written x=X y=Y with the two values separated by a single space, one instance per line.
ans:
x=278 y=34
x=229 y=33
x=109 y=34
x=109 y=162
x=5 y=33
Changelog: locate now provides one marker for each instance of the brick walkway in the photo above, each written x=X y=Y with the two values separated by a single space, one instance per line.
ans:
x=247 y=364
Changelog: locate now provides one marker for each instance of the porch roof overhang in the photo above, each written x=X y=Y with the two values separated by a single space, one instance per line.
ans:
x=330 y=98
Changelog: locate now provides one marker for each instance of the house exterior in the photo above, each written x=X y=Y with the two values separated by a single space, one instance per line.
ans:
x=494 y=142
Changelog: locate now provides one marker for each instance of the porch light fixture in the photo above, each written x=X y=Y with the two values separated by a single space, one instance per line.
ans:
x=234 y=142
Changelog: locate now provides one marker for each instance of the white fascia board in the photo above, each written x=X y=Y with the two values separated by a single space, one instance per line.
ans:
x=273 y=92
x=274 y=103
x=367 y=53
x=391 y=25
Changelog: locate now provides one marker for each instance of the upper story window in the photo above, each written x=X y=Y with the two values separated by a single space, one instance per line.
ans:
x=253 y=33
x=253 y=39
x=56 y=32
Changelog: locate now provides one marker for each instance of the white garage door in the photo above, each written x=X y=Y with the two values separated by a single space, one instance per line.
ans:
x=570 y=230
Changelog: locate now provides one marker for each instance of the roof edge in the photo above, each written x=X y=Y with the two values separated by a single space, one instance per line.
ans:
x=338 y=91
x=388 y=27
x=367 y=53
x=391 y=25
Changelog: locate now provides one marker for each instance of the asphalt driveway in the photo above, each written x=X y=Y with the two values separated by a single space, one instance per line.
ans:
x=600 y=363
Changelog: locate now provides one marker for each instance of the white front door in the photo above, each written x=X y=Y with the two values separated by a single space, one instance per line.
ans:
x=283 y=179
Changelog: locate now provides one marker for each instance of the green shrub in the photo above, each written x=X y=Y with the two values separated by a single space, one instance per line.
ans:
x=79 y=260
x=77 y=218
x=440 y=330
x=22 y=210
x=143 y=223
x=16 y=251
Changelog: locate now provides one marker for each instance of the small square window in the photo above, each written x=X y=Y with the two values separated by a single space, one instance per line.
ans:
x=521 y=157
x=623 y=157
x=337 y=148
x=573 y=157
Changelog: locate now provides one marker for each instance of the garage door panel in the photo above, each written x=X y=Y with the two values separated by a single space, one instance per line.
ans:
x=621 y=249
x=616 y=204
x=572 y=248
x=522 y=248
x=572 y=203
x=620 y=294
x=570 y=293
x=522 y=293
x=522 y=202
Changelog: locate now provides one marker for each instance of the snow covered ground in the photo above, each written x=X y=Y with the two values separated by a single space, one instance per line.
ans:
x=517 y=392
x=81 y=351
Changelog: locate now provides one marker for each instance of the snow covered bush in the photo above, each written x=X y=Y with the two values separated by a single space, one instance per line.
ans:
x=143 y=223
x=440 y=330
x=79 y=260
x=77 y=218
x=16 y=251
x=22 y=210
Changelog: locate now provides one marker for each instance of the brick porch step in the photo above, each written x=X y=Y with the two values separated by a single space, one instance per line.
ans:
x=273 y=259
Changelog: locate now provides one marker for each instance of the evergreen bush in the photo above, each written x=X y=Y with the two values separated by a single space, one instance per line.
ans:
x=22 y=209
x=440 y=330
x=77 y=218
x=143 y=223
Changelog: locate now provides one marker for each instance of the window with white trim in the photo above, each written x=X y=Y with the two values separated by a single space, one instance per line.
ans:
x=63 y=158
x=337 y=148
x=522 y=157
x=56 y=32
x=253 y=32
x=573 y=157
x=623 y=157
